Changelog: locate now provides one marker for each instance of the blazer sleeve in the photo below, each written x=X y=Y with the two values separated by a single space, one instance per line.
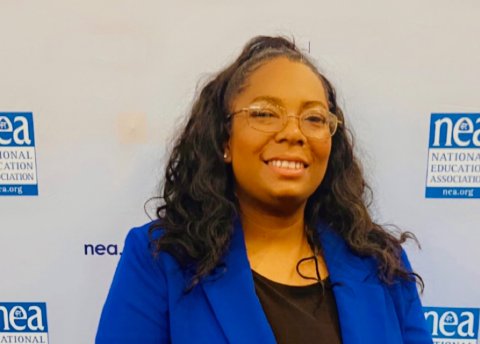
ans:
x=136 y=308
x=409 y=310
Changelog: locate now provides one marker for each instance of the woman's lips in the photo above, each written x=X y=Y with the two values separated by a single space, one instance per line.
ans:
x=287 y=168
x=293 y=165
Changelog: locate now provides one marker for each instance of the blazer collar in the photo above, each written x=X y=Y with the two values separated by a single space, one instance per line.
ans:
x=359 y=295
x=343 y=265
x=231 y=293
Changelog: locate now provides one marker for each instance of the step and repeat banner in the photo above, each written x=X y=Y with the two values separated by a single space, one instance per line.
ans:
x=92 y=93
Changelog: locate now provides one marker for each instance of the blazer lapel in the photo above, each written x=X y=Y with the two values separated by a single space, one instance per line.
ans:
x=358 y=293
x=359 y=296
x=231 y=293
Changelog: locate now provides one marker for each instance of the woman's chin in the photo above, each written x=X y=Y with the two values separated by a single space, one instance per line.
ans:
x=288 y=197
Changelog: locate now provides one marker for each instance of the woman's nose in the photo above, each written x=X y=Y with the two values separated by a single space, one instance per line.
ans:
x=291 y=131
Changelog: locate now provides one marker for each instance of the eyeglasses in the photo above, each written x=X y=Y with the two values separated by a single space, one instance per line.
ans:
x=317 y=123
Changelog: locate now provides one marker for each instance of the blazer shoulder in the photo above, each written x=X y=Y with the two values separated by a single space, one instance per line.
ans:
x=139 y=242
x=142 y=234
x=136 y=307
x=407 y=287
x=409 y=307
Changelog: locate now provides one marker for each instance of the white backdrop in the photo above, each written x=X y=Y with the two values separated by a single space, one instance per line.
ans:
x=108 y=81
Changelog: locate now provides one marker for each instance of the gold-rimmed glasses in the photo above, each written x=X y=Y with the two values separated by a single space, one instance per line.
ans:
x=316 y=122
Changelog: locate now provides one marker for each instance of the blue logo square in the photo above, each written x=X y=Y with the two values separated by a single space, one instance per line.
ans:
x=18 y=168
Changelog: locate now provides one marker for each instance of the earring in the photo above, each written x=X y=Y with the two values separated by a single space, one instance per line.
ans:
x=225 y=155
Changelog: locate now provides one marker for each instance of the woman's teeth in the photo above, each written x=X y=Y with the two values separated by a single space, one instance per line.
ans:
x=293 y=165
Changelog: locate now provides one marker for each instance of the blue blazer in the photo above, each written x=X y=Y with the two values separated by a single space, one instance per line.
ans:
x=146 y=303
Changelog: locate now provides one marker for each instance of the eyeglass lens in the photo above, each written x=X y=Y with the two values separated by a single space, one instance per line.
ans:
x=314 y=122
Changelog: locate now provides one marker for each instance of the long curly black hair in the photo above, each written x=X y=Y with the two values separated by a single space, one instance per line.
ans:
x=197 y=197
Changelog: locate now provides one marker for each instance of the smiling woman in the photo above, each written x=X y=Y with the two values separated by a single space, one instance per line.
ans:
x=264 y=157
x=264 y=234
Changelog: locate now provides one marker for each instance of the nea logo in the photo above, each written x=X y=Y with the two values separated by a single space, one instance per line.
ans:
x=101 y=249
x=455 y=131
x=16 y=129
x=23 y=317
x=453 y=323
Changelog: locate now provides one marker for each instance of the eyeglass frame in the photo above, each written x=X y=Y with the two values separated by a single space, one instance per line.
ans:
x=329 y=113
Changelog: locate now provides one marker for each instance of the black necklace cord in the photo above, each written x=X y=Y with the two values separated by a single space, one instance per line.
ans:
x=317 y=272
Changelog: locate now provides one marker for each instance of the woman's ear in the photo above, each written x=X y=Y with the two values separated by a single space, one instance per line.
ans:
x=227 y=157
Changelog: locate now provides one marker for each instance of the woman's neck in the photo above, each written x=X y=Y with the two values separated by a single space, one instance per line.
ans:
x=276 y=242
x=258 y=225
x=264 y=229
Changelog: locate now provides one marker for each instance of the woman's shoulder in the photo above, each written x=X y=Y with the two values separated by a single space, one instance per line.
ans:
x=333 y=241
x=143 y=233
x=139 y=247
x=137 y=302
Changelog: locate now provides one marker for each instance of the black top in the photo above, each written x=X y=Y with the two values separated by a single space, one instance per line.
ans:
x=299 y=314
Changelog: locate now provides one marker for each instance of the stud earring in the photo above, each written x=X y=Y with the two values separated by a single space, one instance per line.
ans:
x=225 y=155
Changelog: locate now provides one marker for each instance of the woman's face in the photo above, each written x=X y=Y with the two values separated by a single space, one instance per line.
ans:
x=257 y=158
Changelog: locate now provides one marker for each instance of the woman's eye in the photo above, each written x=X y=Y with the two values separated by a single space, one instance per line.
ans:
x=263 y=114
x=316 y=119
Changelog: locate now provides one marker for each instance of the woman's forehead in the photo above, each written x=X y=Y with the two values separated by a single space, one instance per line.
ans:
x=285 y=81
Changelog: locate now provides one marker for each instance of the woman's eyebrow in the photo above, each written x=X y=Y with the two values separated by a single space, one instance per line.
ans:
x=279 y=102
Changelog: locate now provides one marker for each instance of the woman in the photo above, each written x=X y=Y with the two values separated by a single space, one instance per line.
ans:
x=264 y=235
